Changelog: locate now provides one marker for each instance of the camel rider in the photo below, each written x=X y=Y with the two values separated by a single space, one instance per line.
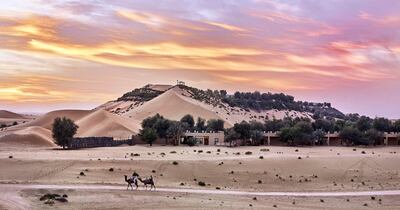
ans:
x=135 y=177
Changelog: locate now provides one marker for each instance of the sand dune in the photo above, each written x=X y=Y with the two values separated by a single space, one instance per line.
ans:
x=173 y=105
x=11 y=115
x=175 y=102
x=103 y=123
x=32 y=136
x=47 y=120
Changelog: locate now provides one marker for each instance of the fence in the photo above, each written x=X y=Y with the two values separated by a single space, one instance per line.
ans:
x=90 y=142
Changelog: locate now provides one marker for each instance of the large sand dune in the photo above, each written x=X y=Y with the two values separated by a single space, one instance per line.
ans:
x=103 y=123
x=176 y=102
x=173 y=104
x=31 y=136
x=47 y=120
x=12 y=115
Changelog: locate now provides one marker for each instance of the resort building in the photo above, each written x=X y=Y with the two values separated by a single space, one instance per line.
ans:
x=204 y=138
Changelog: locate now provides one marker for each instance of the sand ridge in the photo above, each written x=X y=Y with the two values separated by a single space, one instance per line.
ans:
x=12 y=115
x=30 y=136
x=103 y=123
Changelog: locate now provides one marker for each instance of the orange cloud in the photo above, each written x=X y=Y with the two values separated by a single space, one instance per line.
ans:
x=31 y=26
x=226 y=26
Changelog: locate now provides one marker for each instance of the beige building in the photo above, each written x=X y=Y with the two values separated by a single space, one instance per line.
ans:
x=204 y=138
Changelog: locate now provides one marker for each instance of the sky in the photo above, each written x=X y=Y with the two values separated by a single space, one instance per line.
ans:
x=58 y=54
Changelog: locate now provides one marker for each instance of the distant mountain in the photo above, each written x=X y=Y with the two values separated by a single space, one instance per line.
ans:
x=174 y=102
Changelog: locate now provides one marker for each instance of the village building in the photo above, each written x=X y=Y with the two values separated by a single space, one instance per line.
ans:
x=204 y=138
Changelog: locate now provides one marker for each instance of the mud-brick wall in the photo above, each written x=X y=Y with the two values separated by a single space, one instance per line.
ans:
x=90 y=142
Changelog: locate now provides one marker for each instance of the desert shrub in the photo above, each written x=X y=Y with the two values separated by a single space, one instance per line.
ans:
x=175 y=163
x=172 y=152
x=261 y=157
x=10 y=156
x=248 y=153
x=111 y=169
x=201 y=183
x=82 y=173
x=61 y=199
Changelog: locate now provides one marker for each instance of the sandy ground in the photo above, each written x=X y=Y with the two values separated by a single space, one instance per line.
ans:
x=319 y=169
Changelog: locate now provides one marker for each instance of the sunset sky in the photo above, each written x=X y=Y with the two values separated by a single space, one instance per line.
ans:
x=57 y=54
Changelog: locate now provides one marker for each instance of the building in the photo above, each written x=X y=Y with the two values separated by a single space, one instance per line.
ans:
x=204 y=138
x=391 y=139
x=333 y=139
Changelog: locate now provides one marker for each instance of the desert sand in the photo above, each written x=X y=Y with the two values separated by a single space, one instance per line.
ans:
x=318 y=170
x=37 y=132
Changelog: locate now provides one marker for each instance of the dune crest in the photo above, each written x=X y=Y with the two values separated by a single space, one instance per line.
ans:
x=46 y=121
x=10 y=115
x=32 y=136
x=103 y=123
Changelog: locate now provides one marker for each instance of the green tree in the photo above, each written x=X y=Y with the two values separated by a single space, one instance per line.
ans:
x=148 y=135
x=273 y=125
x=243 y=129
x=299 y=134
x=15 y=123
x=231 y=135
x=319 y=136
x=63 y=131
x=255 y=125
x=200 y=124
x=285 y=134
x=372 y=136
x=175 y=131
x=339 y=125
x=215 y=125
x=302 y=133
x=323 y=124
x=151 y=121
x=161 y=126
x=189 y=120
x=382 y=124
x=350 y=135
x=257 y=137
x=364 y=123
x=396 y=126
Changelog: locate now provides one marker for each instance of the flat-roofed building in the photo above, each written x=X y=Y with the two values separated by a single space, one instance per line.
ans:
x=204 y=138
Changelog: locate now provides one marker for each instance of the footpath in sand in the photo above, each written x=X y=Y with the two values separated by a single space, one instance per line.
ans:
x=10 y=197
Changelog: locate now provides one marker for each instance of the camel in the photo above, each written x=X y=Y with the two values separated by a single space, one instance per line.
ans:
x=131 y=181
x=148 y=181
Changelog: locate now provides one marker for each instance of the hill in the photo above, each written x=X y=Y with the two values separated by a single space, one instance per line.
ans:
x=173 y=102
x=10 y=115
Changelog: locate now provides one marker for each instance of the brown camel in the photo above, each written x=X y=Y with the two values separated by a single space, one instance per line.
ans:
x=148 y=181
x=131 y=181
